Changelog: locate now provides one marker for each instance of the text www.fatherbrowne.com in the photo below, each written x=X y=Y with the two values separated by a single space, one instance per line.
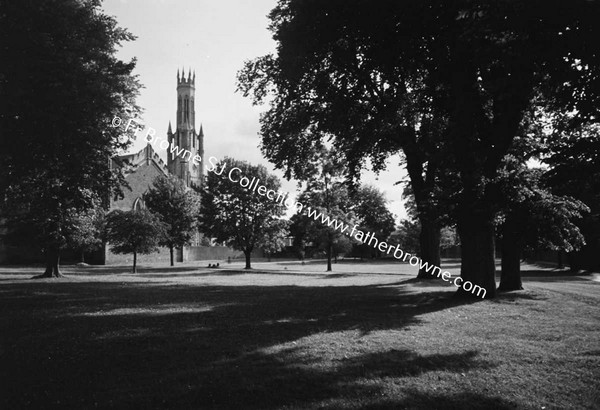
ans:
x=368 y=238
x=414 y=260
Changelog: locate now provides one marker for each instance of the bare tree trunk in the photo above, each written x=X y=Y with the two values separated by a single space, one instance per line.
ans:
x=329 y=249
x=172 y=258
x=52 y=263
x=478 y=266
x=247 y=254
x=510 y=278
x=134 y=262
x=561 y=264
x=429 y=241
x=573 y=259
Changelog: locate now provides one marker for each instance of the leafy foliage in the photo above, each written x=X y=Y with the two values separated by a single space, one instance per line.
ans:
x=61 y=85
x=136 y=231
x=572 y=155
x=325 y=194
x=406 y=236
x=275 y=237
x=370 y=208
x=86 y=228
x=367 y=78
x=543 y=220
x=177 y=206
x=236 y=215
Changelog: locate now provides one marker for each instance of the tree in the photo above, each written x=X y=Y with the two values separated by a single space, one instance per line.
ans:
x=178 y=208
x=61 y=86
x=347 y=86
x=464 y=72
x=329 y=203
x=372 y=214
x=136 y=231
x=274 y=238
x=534 y=218
x=299 y=232
x=574 y=170
x=236 y=215
x=341 y=245
x=326 y=197
x=406 y=236
x=85 y=229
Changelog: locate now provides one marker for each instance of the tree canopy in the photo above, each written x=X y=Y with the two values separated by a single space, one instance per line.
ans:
x=237 y=215
x=136 y=231
x=61 y=85
x=464 y=72
x=178 y=207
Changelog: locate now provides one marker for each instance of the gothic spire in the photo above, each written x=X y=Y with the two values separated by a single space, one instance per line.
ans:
x=170 y=131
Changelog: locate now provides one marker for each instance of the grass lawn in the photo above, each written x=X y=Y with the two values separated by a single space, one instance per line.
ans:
x=292 y=336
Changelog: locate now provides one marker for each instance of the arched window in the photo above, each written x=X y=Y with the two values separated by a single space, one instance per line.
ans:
x=138 y=204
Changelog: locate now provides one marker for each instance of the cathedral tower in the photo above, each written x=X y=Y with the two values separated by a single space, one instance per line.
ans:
x=185 y=136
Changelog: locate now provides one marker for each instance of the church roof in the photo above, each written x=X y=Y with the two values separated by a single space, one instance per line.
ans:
x=131 y=162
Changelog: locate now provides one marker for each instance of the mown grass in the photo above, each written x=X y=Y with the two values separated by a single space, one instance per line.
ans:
x=196 y=338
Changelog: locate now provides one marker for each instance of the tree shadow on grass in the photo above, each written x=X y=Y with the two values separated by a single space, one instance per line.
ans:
x=551 y=276
x=289 y=379
x=86 y=344
x=416 y=399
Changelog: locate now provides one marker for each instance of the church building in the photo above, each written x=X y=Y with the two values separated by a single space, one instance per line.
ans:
x=185 y=135
x=141 y=168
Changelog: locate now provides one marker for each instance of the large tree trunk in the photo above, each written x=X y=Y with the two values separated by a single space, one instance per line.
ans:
x=329 y=249
x=573 y=259
x=476 y=230
x=247 y=254
x=82 y=257
x=510 y=278
x=561 y=265
x=172 y=258
x=134 y=262
x=429 y=241
x=52 y=263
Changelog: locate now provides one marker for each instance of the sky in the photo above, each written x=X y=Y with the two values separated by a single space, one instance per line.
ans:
x=214 y=38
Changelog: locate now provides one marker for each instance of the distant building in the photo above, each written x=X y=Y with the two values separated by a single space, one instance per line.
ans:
x=185 y=136
x=140 y=169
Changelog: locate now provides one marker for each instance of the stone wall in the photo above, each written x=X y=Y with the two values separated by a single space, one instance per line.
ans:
x=191 y=253
x=117 y=259
x=200 y=253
